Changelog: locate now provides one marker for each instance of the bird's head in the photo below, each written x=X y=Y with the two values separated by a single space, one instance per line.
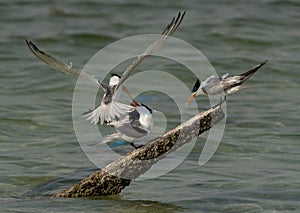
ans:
x=148 y=108
x=114 y=79
x=145 y=116
x=195 y=92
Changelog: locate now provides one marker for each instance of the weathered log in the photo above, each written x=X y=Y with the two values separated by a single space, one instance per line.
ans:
x=117 y=175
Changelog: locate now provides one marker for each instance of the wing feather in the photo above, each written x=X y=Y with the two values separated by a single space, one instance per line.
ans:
x=169 y=30
x=58 y=65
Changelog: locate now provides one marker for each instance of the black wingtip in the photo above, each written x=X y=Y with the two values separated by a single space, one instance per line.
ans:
x=173 y=25
x=263 y=63
x=31 y=45
x=260 y=65
x=196 y=85
x=249 y=73
x=34 y=48
x=180 y=17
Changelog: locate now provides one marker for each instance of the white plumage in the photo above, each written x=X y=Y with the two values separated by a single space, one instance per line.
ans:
x=136 y=124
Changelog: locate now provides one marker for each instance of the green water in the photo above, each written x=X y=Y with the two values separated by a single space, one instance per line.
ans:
x=256 y=167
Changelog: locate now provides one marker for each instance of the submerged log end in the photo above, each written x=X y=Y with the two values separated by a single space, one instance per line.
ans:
x=99 y=183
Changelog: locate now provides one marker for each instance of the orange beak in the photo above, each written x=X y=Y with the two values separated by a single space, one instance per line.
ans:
x=134 y=103
x=190 y=99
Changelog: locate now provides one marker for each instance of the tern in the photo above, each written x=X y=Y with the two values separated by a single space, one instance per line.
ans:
x=225 y=84
x=109 y=110
x=136 y=124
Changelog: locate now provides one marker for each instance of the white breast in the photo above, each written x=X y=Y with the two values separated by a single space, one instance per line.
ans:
x=146 y=118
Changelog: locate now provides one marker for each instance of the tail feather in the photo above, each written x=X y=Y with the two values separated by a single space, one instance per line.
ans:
x=107 y=113
x=92 y=115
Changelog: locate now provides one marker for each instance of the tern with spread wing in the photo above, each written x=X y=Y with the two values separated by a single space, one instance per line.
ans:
x=225 y=84
x=109 y=110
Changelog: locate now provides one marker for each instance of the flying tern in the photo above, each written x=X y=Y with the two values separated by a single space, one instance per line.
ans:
x=109 y=110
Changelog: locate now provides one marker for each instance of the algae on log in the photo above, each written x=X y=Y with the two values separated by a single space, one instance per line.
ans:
x=118 y=174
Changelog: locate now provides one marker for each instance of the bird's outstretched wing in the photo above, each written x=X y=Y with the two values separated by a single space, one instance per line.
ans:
x=250 y=72
x=170 y=29
x=58 y=65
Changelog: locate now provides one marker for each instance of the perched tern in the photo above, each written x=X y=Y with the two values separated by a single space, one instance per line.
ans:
x=109 y=110
x=225 y=84
x=136 y=124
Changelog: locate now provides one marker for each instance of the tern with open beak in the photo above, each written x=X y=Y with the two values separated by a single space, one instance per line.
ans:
x=109 y=109
x=136 y=124
x=225 y=84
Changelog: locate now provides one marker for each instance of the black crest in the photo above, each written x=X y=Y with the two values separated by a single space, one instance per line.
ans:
x=196 y=86
x=148 y=108
x=115 y=74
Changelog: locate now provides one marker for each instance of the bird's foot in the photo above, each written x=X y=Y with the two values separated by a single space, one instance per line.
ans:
x=135 y=146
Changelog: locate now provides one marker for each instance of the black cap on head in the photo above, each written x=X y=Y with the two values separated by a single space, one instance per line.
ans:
x=150 y=110
x=115 y=74
x=196 y=85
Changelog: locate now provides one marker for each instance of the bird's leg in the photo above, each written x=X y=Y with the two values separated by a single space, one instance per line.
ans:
x=225 y=97
x=222 y=100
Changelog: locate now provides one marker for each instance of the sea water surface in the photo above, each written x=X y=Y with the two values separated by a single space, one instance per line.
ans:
x=255 y=168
